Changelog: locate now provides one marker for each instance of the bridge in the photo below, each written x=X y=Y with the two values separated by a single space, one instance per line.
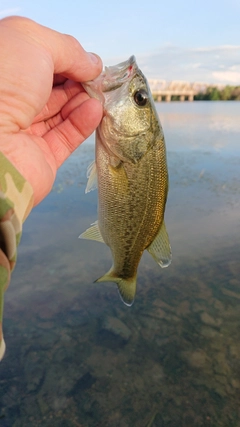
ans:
x=162 y=89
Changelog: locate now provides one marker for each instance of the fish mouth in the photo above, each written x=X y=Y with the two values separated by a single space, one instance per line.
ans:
x=111 y=78
x=114 y=76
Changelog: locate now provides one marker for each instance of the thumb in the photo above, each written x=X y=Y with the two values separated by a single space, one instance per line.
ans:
x=68 y=56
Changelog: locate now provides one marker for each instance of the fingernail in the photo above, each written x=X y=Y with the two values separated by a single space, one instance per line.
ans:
x=93 y=57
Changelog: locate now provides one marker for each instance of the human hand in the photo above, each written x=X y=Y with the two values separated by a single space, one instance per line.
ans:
x=45 y=113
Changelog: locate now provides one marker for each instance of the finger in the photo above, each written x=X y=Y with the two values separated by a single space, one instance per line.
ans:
x=74 y=103
x=58 y=79
x=68 y=56
x=45 y=125
x=80 y=124
x=60 y=95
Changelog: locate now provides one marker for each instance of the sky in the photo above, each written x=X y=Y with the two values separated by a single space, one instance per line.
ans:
x=194 y=41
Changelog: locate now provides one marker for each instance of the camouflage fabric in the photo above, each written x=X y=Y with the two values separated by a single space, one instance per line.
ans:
x=16 y=201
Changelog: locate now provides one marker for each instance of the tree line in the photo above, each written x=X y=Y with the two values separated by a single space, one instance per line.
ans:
x=213 y=93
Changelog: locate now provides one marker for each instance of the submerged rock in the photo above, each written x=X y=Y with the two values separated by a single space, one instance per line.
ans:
x=230 y=293
x=116 y=327
x=209 y=320
x=209 y=332
x=197 y=358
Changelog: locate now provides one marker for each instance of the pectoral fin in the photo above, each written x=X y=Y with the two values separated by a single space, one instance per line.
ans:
x=126 y=287
x=92 y=233
x=160 y=248
x=92 y=177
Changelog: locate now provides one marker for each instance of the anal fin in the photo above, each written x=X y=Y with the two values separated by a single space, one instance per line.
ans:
x=160 y=248
x=2 y=348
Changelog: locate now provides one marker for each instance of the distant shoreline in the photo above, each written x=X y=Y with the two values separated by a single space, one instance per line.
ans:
x=212 y=93
x=195 y=100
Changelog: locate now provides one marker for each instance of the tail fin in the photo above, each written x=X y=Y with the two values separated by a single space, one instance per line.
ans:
x=126 y=287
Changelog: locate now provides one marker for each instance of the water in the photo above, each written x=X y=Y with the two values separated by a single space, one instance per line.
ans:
x=76 y=356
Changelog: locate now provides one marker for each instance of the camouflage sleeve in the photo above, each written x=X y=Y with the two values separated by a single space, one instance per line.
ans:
x=16 y=201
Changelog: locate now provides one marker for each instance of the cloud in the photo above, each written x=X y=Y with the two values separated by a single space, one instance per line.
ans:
x=216 y=64
x=8 y=12
x=227 y=76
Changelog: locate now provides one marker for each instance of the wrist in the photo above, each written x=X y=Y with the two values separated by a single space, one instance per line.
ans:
x=16 y=197
x=16 y=190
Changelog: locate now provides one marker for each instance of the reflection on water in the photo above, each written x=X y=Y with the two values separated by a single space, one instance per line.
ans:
x=202 y=125
x=76 y=356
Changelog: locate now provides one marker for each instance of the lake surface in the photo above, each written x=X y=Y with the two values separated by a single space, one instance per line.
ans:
x=76 y=356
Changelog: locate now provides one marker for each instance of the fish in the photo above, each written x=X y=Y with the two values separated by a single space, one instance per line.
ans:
x=131 y=174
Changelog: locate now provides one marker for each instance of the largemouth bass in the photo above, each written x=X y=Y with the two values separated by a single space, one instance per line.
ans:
x=131 y=174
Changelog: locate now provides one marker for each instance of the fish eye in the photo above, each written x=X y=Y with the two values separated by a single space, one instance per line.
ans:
x=141 y=97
